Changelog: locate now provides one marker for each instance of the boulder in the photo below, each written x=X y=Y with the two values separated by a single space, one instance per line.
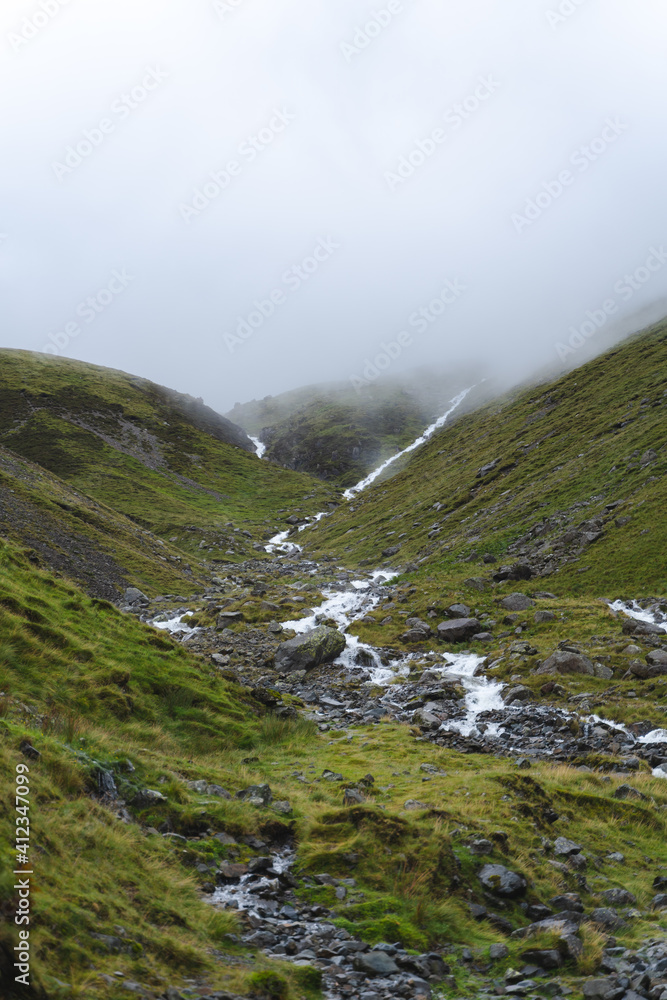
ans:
x=517 y=602
x=320 y=645
x=546 y=958
x=646 y=671
x=657 y=658
x=519 y=693
x=375 y=963
x=633 y=627
x=541 y=617
x=565 y=847
x=628 y=792
x=391 y=551
x=458 y=611
x=256 y=795
x=502 y=882
x=458 y=629
x=476 y=583
x=598 y=989
x=134 y=596
x=563 y=662
x=607 y=917
x=619 y=897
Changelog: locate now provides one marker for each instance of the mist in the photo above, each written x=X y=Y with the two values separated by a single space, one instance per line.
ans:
x=238 y=197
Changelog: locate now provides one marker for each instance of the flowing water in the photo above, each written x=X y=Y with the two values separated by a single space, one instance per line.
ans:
x=260 y=447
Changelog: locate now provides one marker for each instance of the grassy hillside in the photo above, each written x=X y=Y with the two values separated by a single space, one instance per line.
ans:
x=100 y=696
x=164 y=461
x=566 y=477
x=339 y=433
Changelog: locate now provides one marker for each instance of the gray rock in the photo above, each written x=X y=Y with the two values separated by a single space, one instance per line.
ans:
x=540 y=617
x=458 y=629
x=320 y=645
x=134 y=596
x=517 y=602
x=618 y=897
x=598 y=989
x=659 y=902
x=458 y=611
x=502 y=882
x=481 y=847
x=283 y=807
x=414 y=804
x=628 y=792
x=607 y=917
x=564 y=662
x=148 y=797
x=657 y=657
x=391 y=551
x=256 y=794
x=375 y=963
x=546 y=958
x=497 y=952
x=519 y=693
x=476 y=583
x=565 y=847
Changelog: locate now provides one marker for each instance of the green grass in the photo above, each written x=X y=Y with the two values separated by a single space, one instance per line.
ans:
x=569 y=447
x=161 y=460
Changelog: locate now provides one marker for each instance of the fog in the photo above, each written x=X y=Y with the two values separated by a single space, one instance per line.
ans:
x=238 y=197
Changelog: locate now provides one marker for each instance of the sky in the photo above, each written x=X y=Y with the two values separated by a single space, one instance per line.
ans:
x=238 y=197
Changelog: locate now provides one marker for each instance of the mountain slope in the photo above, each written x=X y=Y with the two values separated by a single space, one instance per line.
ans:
x=166 y=462
x=339 y=433
x=566 y=477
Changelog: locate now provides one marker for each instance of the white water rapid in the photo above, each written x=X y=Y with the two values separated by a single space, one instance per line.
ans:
x=260 y=447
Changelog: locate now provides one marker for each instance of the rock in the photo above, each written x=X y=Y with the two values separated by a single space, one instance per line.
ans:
x=458 y=611
x=476 y=583
x=256 y=795
x=607 y=917
x=502 y=882
x=659 y=902
x=646 y=671
x=523 y=764
x=632 y=627
x=231 y=871
x=320 y=645
x=148 y=797
x=540 y=617
x=414 y=635
x=29 y=751
x=352 y=797
x=497 y=952
x=598 y=989
x=218 y=790
x=413 y=804
x=486 y=469
x=565 y=847
x=284 y=808
x=375 y=963
x=657 y=657
x=519 y=693
x=618 y=897
x=546 y=958
x=569 y=902
x=517 y=602
x=628 y=792
x=134 y=596
x=458 y=629
x=481 y=847
x=563 y=662
x=391 y=551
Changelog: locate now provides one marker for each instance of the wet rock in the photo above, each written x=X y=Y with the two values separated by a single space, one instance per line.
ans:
x=320 y=645
x=517 y=602
x=563 y=662
x=458 y=629
x=232 y=872
x=502 y=882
